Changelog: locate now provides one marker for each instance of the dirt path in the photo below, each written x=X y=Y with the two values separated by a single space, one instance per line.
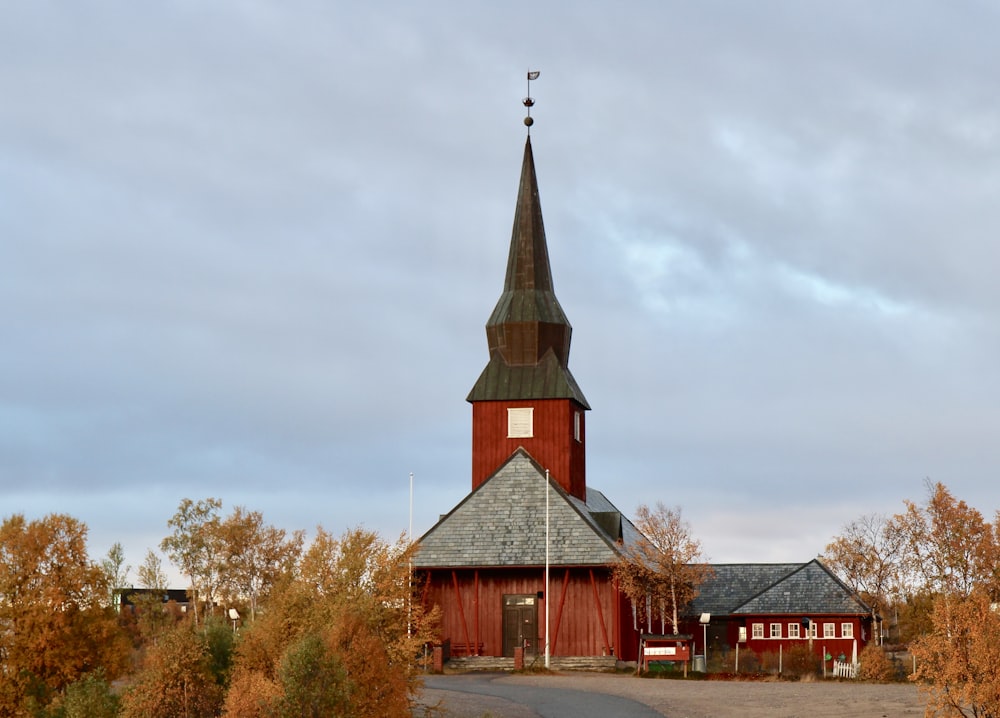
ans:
x=693 y=699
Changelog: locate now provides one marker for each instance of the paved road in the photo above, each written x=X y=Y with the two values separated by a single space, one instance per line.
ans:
x=478 y=694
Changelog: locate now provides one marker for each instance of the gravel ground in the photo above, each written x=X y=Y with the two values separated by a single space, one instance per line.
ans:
x=693 y=699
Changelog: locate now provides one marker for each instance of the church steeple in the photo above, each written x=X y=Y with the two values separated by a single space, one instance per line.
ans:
x=528 y=333
x=528 y=321
x=526 y=396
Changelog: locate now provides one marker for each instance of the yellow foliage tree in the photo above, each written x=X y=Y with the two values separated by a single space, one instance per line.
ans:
x=176 y=680
x=349 y=611
x=957 y=662
x=253 y=556
x=868 y=558
x=55 y=626
x=949 y=548
x=665 y=566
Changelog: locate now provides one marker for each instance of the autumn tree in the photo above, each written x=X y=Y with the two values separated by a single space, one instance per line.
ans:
x=867 y=556
x=55 y=626
x=345 y=624
x=665 y=565
x=949 y=548
x=115 y=570
x=194 y=547
x=152 y=615
x=177 y=679
x=254 y=555
x=957 y=662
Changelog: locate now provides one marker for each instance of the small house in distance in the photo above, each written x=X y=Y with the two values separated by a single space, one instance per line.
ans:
x=130 y=598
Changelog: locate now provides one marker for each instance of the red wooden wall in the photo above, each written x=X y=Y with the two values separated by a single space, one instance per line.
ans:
x=833 y=645
x=553 y=445
x=588 y=616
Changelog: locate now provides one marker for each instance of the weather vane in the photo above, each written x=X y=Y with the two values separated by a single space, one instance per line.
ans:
x=529 y=101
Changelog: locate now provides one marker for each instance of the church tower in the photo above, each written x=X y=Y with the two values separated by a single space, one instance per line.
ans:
x=526 y=396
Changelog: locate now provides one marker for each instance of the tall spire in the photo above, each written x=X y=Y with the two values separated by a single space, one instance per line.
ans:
x=528 y=320
x=528 y=334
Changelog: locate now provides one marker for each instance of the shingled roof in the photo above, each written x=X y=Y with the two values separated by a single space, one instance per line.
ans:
x=546 y=380
x=502 y=523
x=776 y=588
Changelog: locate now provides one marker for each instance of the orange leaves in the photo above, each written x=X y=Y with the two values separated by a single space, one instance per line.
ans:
x=176 y=681
x=346 y=622
x=54 y=627
x=665 y=564
x=957 y=662
x=950 y=548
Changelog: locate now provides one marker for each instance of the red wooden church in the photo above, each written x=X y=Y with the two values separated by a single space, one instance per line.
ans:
x=484 y=562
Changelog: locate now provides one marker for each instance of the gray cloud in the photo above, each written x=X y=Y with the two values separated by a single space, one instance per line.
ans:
x=248 y=251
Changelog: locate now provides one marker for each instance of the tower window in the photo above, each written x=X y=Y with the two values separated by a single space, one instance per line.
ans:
x=576 y=426
x=520 y=423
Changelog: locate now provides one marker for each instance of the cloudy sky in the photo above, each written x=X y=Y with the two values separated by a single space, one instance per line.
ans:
x=247 y=250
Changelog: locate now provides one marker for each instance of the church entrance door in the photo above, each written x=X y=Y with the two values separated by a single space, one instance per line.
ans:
x=520 y=623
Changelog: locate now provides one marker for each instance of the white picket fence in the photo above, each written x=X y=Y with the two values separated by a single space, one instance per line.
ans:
x=843 y=669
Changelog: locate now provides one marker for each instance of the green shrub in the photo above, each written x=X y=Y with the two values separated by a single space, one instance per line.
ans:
x=90 y=697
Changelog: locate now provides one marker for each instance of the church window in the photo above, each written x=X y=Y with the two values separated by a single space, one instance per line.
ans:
x=520 y=423
x=577 y=433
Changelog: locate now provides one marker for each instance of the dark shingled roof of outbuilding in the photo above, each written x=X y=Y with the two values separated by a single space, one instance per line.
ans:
x=775 y=588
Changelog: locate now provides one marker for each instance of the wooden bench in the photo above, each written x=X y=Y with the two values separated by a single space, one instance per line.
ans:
x=466 y=649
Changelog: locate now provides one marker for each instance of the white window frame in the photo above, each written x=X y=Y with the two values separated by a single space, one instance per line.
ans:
x=776 y=628
x=521 y=422
x=813 y=628
x=793 y=630
x=847 y=630
x=758 y=630
x=829 y=630
x=577 y=426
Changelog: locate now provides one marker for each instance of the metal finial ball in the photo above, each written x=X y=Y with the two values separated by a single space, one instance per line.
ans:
x=529 y=121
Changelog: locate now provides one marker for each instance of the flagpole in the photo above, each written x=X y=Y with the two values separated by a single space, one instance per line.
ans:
x=409 y=568
x=547 y=656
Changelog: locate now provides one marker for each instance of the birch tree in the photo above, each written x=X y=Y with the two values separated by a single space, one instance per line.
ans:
x=666 y=565
x=868 y=558
x=254 y=556
x=194 y=548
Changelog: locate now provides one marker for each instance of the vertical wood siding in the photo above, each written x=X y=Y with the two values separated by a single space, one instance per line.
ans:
x=553 y=444
x=588 y=616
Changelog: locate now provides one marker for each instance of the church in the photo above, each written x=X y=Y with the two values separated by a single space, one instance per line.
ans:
x=524 y=563
x=530 y=509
